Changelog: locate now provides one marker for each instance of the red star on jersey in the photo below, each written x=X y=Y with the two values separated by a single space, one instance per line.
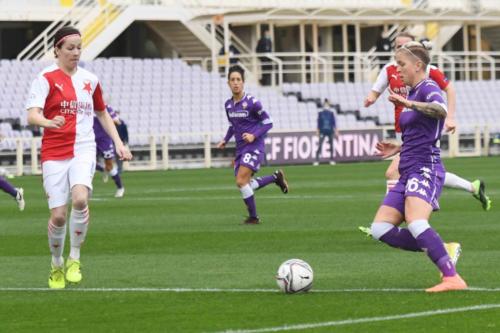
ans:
x=87 y=87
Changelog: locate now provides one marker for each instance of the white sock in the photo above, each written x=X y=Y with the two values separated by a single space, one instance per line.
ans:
x=379 y=229
x=246 y=191
x=56 y=237
x=417 y=227
x=254 y=184
x=78 y=224
x=452 y=180
x=113 y=172
x=390 y=184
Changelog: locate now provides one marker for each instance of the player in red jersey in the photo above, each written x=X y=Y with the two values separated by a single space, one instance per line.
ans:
x=389 y=78
x=62 y=100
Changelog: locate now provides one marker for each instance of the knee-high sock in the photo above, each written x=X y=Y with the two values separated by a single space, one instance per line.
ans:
x=261 y=182
x=116 y=177
x=78 y=225
x=394 y=236
x=249 y=199
x=7 y=187
x=454 y=181
x=430 y=242
x=56 y=237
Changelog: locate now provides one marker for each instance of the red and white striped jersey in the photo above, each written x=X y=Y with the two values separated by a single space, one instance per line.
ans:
x=389 y=77
x=73 y=97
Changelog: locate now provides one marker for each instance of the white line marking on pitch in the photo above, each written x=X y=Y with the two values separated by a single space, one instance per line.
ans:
x=236 y=290
x=366 y=319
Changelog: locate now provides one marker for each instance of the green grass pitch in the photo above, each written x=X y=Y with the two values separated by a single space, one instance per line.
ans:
x=181 y=229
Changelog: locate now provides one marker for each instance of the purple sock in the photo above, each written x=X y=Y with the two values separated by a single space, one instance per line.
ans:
x=266 y=180
x=117 y=180
x=7 y=187
x=250 y=202
x=99 y=167
x=432 y=244
x=401 y=238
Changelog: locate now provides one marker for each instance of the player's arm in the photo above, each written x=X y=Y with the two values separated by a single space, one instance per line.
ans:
x=36 y=102
x=434 y=108
x=387 y=149
x=378 y=88
x=451 y=97
x=227 y=137
x=36 y=118
x=266 y=124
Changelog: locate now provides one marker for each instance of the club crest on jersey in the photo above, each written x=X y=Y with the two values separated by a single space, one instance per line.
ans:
x=87 y=87
x=244 y=105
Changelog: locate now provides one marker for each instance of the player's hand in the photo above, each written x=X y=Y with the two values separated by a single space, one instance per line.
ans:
x=123 y=152
x=450 y=125
x=387 y=149
x=398 y=99
x=248 y=137
x=221 y=145
x=56 y=122
x=368 y=101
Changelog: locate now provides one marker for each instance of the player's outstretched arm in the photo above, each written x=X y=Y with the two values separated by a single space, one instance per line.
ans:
x=451 y=97
x=387 y=149
x=36 y=118
x=110 y=128
x=433 y=110
x=371 y=98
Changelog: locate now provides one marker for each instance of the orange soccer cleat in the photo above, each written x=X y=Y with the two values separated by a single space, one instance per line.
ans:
x=449 y=283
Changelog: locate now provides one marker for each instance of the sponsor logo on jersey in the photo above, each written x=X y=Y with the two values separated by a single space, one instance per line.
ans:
x=59 y=86
x=235 y=114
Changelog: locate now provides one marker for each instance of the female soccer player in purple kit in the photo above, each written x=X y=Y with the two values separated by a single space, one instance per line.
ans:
x=416 y=194
x=249 y=124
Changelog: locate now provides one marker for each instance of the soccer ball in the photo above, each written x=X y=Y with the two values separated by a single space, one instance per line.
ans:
x=294 y=276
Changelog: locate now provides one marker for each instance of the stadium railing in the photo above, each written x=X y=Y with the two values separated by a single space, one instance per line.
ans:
x=155 y=155
x=352 y=66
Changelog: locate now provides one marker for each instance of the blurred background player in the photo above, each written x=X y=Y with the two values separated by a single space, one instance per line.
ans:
x=122 y=129
x=249 y=124
x=63 y=100
x=389 y=78
x=327 y=127
x=416 y=194
x=106 y=150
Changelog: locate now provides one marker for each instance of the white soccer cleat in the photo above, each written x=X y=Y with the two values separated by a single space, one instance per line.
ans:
x=120 y=192
x=20 y=199
x=316 y=163
x=332 y=163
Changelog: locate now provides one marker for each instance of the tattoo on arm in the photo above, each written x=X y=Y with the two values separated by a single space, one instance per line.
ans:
x=432 y=110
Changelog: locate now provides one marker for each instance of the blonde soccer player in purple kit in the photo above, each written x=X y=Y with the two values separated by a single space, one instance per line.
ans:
x=249 y=124
x=416 y=194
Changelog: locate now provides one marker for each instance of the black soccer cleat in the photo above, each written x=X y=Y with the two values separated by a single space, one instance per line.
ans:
x=281 y=180
x=252 y=220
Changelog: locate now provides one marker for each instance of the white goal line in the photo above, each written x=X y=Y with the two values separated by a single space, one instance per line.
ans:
x=366 y=319
x=235 y=290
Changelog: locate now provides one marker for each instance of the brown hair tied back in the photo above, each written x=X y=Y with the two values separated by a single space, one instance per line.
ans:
x=417 y=50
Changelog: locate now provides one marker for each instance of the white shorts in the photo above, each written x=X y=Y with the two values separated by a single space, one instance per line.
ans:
x=59 y=177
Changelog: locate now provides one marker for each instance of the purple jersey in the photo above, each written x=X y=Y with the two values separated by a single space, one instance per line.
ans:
x=421 y=133
x=247 y=116
x=98 y=129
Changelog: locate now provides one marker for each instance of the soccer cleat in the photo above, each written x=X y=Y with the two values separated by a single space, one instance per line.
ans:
x=479 y=194
x=73 y=272
x=449 y=283
x=56 y=278
x=366 y=230
x=20 y=199
x=281 y=180
x=316 y=163
x=332 y=163
x=252 y=220
x=120 y=192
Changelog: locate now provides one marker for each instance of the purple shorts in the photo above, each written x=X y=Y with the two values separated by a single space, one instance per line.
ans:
x=251 y=158
x=424 y=183
x=105 y=147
